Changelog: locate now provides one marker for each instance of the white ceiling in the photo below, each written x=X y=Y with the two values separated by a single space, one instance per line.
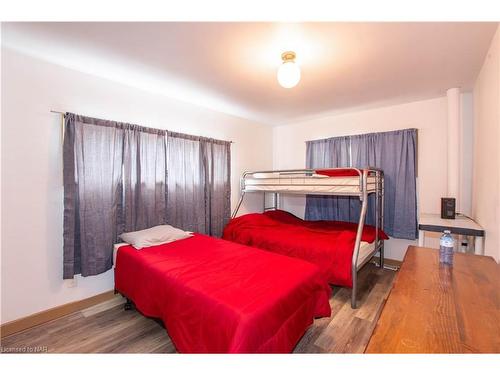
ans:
x=231 y=67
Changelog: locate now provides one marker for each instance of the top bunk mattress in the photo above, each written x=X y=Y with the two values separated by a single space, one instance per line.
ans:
x=315 y=183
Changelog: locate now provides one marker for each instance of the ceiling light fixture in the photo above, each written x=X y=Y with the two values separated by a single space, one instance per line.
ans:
x=289 y=71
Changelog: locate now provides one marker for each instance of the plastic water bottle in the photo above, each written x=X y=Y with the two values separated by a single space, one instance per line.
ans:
x=446 y=245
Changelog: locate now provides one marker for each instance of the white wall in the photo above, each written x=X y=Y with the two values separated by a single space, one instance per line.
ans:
x=32 y=193
x=428 y=116
x=486 y=187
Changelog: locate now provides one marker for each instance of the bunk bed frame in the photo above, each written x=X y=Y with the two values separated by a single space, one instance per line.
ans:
x=362 y=189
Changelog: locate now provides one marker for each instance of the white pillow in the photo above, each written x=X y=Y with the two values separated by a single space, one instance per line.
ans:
x=154 y=236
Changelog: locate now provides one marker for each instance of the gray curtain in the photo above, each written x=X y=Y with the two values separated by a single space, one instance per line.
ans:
x=329 y=153
x=93 y=157
x=145 y=181
x=123 y=177
x=395 y=153
x=217 y=171
x=198 y=183
x=185 y=191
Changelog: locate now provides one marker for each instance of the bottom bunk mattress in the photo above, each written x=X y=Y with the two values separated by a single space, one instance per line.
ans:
x=328 y=244
x=216 y=296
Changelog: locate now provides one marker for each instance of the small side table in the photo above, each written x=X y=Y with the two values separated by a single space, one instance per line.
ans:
x=461 y=225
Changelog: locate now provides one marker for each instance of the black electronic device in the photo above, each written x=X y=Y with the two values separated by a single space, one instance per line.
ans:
x=447 y=208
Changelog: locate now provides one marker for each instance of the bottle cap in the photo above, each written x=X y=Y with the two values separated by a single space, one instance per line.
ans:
x=447 y=231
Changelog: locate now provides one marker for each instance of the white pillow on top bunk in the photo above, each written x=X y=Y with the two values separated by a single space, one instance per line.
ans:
x=157 y=235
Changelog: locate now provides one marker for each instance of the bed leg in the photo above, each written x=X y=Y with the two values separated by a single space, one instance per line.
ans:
x=354 y=290
x=128 y=305
x=353 y=299
x=382 y=256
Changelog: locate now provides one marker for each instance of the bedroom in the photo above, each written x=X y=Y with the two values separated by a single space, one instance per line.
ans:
x=273 y=136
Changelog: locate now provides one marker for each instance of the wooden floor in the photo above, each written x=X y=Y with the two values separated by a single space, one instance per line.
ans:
x=108 y=328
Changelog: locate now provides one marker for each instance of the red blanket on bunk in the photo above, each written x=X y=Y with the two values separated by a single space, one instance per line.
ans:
x=339 y=172
x=368 y=234
x=215 y=296
x=327 y=244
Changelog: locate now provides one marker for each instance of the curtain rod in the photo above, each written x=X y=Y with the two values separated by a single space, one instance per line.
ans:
x=63 y=114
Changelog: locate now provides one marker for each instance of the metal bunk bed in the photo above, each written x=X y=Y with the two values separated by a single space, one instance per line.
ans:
x=307 y=181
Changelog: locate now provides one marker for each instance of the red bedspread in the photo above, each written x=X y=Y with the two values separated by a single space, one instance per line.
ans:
x=216 y=296
x=327 y=244
x=339 y=172
x=368 y=234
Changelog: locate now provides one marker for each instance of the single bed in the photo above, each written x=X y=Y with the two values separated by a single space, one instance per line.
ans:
x=216 y=296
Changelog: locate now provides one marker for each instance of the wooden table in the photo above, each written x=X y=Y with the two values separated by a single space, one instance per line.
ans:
x=436 y=309
x=460 y=225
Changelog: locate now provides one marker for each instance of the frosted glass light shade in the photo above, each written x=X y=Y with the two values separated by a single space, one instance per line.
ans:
x=288 y=74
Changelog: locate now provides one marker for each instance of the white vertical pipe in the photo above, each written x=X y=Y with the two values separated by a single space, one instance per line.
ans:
x=466 y=152
x=454 y=128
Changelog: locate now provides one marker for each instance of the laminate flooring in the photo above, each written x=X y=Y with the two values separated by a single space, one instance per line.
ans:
x=108 y=328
